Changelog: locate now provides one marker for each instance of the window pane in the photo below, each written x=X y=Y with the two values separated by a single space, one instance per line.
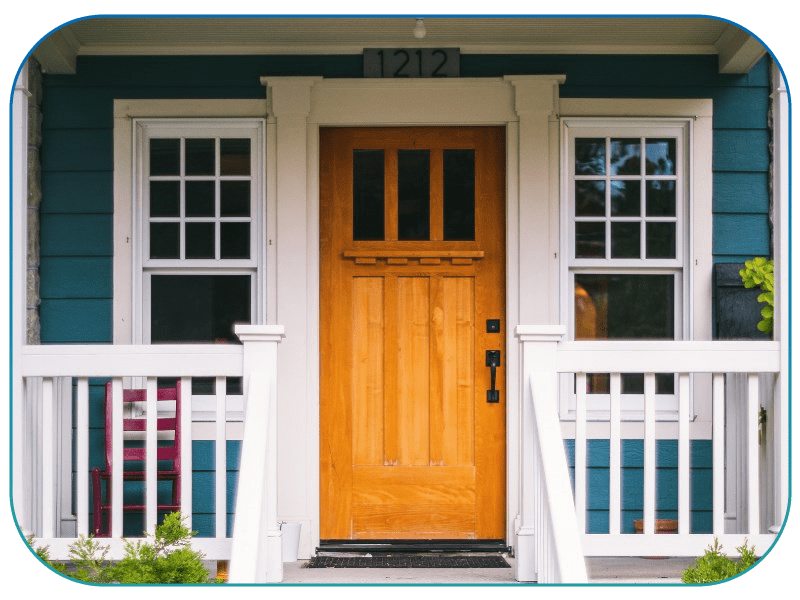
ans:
x=234 y=199
x=165 y=198
x=200 y=156
x=368 y=202
x=626 y=199
x=459 y=194
x=234 y=240
x=198 y=308
x=630 y=383
x=622 y=306
x=660 y=156
x=626 y=157
x=165 y=156
x=590 y=198
x=413 y=195
x=200 y=199
x=661 y=240
x=234 y=156
x=590 y=240
x=200 y=240
x=626 y=240
x=165 y=240
x=660 y=198
x=590 y=156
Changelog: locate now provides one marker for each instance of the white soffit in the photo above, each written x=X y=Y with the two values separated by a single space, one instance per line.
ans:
x=738 y=51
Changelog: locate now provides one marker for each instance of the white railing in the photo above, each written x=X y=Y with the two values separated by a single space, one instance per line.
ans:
x=56 y=377
x=708 y=379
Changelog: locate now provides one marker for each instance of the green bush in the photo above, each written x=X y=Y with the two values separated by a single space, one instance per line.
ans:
x=166 y=557
x=715 y=566
x=761 y=272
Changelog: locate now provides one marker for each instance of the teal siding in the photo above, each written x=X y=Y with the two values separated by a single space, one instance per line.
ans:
x=77 y=180
x=632 y=483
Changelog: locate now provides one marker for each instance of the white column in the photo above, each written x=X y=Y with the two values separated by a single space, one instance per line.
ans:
x=19 y=192
x=256 y=546
x=780 y=203
x=539 y=346
x=536 y=104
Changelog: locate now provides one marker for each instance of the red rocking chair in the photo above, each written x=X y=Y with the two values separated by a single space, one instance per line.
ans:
x=168 y=450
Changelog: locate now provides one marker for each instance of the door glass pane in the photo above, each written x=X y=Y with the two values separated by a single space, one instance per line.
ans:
x=660 y=155
x=590 y=156
x=621 y=306
x=200 y=240
x=234 y=199
x=200 y=155
x=198 y=308
x=165 y=240
x=234 y=240
x=368 y=195
x=590 y=239
x=165 y=156
x=459 y=194
x=165 y=198
x=626 y=156
x=200 y=199
x=413 y=194
x=234 y=156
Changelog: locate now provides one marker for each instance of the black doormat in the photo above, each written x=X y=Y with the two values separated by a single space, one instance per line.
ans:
x=405 y=561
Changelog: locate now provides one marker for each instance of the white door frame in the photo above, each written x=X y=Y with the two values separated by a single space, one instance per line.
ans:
x=297 y=107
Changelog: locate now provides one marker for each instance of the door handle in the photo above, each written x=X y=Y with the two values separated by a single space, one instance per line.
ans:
x=493 y=361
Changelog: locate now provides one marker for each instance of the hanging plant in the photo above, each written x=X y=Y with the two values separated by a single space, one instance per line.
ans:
x=759 y=272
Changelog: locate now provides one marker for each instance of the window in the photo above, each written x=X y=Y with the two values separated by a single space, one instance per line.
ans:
x=198 y=210
x=626 y=248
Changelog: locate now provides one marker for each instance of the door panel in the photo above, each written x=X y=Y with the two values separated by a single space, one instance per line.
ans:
x=412 y=255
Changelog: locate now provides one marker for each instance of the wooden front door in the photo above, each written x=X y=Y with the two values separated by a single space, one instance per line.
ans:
x=412 y=295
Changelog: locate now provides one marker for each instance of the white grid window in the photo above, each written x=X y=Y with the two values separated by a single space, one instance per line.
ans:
x=626 y=243
x=200 y=199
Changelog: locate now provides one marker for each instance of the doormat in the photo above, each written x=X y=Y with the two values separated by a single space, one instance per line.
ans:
x=424 y=561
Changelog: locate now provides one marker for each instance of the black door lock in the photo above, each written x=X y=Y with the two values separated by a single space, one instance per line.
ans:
x=493 y=361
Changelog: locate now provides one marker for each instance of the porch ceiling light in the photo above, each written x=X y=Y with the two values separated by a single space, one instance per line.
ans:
x=419 y=29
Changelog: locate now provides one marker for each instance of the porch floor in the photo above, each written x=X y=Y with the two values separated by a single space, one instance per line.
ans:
x=601 y=571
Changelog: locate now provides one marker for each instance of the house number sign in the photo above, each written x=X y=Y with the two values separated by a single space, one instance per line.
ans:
x=411 y=62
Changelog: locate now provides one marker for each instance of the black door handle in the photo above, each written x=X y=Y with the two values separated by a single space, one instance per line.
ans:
x=493 y=361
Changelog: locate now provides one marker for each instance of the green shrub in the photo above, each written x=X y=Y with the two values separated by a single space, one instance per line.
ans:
x=715 y=566
x=166 y=557
x=761 y=272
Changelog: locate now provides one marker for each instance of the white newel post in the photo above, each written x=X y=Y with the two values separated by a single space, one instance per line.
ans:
x=256 y=546
x=538 y=345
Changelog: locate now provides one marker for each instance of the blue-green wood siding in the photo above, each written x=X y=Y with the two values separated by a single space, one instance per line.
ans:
x=77 y=182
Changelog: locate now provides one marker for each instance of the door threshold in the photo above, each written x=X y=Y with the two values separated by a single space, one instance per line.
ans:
x=412 y=546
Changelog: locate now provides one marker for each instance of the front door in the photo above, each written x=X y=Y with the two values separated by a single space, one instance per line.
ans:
x=412 y=296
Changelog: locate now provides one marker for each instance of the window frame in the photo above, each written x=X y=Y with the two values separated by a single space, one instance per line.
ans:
x=681 y=128
x=144 y=267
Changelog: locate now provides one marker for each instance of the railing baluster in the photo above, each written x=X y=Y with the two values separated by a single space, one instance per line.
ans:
x=82 y=456
x=186 y=450
x=221 y=509
x=684 y=456
x=48 y=460
x=151 y=455
x=116 y=457
x=649 y=453
x=753 y=503
x=580 y=451
x=615 y=457
x=718 y=469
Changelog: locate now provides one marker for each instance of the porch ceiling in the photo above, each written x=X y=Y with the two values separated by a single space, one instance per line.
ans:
x=737 y=50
